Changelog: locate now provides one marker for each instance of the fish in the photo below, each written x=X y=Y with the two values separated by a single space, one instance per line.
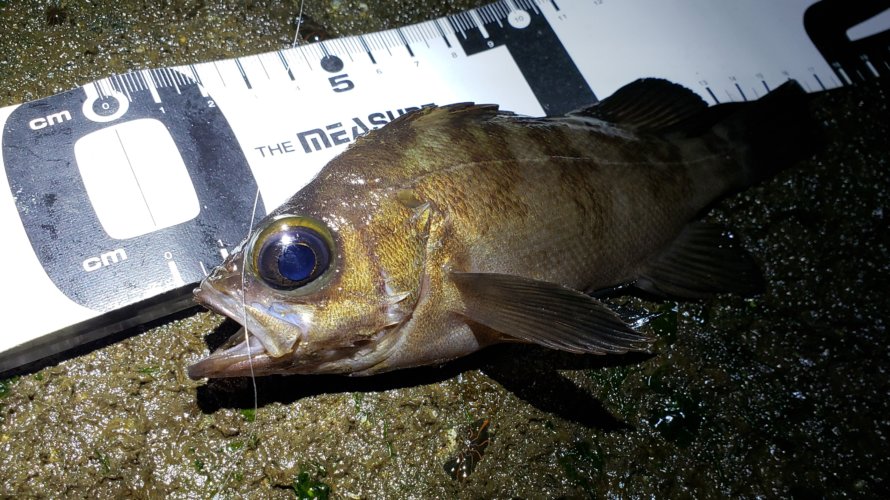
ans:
x=461 y=226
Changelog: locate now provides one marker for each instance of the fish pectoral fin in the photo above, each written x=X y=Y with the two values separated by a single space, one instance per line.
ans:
x=647 y=105
x=705 y=259
x=545 y=313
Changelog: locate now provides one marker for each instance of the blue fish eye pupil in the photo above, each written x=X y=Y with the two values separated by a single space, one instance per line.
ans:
x=291 y=257
x=297 y=262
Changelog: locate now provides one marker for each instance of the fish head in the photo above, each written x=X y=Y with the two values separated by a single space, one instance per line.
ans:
x=319 y=293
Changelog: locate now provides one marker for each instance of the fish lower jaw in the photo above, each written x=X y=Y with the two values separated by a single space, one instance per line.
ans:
x=249 y=358
x=244 y=358
x=238 y=363
x=233 y=366
x=248 y=354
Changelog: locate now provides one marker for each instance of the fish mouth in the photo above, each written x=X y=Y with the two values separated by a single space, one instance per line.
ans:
x=233 y=358
x=245 y=359
x=253 y=350
x=276 y=338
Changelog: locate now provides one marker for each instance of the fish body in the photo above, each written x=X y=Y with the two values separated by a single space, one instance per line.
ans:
x=460 y=226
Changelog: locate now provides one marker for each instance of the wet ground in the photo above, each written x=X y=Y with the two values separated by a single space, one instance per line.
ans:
x=785 y=394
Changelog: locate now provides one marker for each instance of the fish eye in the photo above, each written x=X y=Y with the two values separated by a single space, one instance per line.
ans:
x=292 y=252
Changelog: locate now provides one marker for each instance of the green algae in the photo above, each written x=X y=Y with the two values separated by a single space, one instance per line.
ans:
x=307 y=484
x=6 y=386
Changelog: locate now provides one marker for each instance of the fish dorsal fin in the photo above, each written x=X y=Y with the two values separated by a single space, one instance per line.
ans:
x=449 y=115
x=704 y=260
x=647 y=105
x=431 y=124
x=544 y=313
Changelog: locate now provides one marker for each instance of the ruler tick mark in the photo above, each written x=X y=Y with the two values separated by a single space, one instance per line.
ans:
x=871 y=67
x=260 y=59
x=442 y=33
x=286 y=66
x=195 y=74
x=303 y=53
x=367 y=49
x=711 y=93
x=243 y=74
x=161 y=75
x=150 y=84
x=221 y=79
x=175 y=80
x=174 y=273
x=480 y=25
x=405 y=42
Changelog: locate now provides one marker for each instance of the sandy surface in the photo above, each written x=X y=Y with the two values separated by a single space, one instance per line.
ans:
x=785 y=394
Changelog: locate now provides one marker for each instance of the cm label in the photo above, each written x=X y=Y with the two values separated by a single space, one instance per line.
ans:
x=49 y=120
x=104 y=260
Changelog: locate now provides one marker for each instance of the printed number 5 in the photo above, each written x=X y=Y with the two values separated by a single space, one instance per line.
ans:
x=341 y=83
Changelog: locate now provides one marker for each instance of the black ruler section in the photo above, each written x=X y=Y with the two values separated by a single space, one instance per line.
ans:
x=852 y=61
x=546 y=66
x=93 y=258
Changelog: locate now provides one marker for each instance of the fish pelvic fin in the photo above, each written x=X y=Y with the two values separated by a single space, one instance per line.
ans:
x=705 y=259
x=545 y=313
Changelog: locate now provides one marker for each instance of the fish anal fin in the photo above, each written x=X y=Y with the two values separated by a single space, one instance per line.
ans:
x=703 y=260
x=544 y=313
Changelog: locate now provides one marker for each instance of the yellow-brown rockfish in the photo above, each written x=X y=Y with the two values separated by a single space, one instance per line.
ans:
x=460 y=226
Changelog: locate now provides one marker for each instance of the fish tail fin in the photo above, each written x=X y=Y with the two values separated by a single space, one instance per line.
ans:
x=769 y=134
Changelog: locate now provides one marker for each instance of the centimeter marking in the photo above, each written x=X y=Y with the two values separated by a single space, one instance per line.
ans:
x=394 y=42
x=242 y=73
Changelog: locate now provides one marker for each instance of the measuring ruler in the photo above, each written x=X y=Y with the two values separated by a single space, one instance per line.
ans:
x=117 y=197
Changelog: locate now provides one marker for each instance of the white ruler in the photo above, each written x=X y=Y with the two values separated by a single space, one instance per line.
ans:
x=117 y=197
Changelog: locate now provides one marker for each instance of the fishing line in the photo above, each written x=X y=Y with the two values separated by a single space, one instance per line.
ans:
x=252 y=434
x=256 y=199
x=299 y=23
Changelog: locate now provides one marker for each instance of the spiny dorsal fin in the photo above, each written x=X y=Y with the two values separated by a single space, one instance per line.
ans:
x=647 y=105
x=430 y=121
x=451 y=114
x=704 y=260
x=545 y=313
